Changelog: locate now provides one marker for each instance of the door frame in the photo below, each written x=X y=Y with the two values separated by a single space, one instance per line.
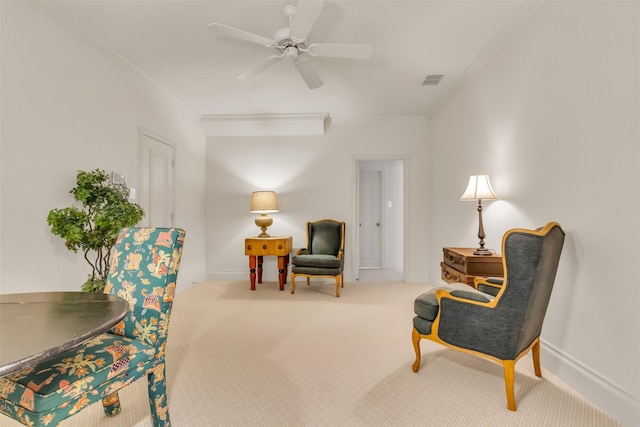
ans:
x=355 y=197
x=144 y=192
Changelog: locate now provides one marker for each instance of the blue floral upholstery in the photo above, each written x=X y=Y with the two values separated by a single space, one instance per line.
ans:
x=143 y=270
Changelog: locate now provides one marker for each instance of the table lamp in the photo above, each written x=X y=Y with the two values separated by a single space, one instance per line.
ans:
x=264 y=202
x=479 y=188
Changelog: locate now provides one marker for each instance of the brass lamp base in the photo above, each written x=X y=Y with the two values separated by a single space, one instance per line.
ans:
x=483 y=251
x=263 y=221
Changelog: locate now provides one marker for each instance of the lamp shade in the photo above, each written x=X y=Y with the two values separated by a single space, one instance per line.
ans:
x=479 y=188
x=264 y=202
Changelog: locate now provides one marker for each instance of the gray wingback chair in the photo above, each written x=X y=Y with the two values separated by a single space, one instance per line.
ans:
x=501 y=327
x=324 y=254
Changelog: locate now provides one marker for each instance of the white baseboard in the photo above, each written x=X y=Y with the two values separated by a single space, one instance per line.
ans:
x=268 y=276
x=230 y=275
x=185 y=283
x=602 y=392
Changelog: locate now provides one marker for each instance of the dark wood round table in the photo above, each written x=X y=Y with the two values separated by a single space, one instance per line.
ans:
x=37 y=326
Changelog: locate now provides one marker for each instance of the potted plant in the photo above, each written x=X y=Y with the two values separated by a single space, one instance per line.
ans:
x=93 y=228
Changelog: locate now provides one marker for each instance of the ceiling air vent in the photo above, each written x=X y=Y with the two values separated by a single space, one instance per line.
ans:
x=432 y=79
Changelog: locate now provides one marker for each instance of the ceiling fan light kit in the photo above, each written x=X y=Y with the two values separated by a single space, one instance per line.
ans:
x=291 y=43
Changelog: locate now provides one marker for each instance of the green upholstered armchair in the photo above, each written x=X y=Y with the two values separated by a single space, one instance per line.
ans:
x=504 y=327
x=143 y=270
x=324 y=254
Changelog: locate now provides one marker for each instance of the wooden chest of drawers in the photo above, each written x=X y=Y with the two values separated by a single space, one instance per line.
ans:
x=461 y=265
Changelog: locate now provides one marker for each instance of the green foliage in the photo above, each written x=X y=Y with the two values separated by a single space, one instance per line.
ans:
x=95 y=284
x=93 y=228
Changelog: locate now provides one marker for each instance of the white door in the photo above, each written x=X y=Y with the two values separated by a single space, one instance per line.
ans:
x=156 y=181
x=370 y=219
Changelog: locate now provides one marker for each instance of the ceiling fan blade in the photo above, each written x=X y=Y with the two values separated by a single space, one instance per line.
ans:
x=236 y=33
x=307 y=12
x=308 y=74
x=340 y=50
x=260 y=66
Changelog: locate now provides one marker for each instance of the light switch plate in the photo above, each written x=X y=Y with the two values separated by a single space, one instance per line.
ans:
x=118 y=178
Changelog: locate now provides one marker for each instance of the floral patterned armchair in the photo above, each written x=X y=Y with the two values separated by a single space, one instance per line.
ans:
x=143 y=270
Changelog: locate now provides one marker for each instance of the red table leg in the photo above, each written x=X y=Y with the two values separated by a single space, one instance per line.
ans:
x=252 y=271
x=286 y=267
x=283 y=261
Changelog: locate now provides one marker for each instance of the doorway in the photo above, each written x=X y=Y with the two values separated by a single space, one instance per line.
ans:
x=157 y=165
x=370 y=221
x=380 y=214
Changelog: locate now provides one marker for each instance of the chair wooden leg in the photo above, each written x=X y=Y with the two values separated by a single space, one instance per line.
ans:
x=158 y=396
x=111 y=404
x=509 y=382
x=308 y=281
x=293 y=283
x=342 y=278
x=415 y=338
x=338 y=286
x=535 y=352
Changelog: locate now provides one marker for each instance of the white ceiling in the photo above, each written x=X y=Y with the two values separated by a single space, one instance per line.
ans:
x=168 y=40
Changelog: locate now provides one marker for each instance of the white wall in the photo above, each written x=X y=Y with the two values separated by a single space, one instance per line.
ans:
x=314 y=177
x=68 y=105
x=554 y=118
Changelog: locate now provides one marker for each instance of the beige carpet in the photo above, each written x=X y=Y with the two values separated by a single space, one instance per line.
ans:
x=269 y=358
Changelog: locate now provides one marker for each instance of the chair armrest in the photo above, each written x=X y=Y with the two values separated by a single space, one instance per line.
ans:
x=462 y=293
x=471 y=324
x=488 y=285
x=302 y=251
x=495 y=282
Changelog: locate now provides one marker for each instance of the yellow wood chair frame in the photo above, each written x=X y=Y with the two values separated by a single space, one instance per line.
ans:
x=339 y=278
x=508 y=365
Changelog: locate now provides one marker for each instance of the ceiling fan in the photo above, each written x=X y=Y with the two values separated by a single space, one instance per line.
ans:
x=292 y=43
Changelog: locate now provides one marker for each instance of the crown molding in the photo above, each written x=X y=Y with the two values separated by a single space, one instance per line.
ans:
x=506 y=33
x=75 y=29
x=265 y=124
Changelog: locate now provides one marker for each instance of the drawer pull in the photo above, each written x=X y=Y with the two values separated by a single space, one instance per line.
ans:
x=264 y=246
x=279 y=246
x=248 y=247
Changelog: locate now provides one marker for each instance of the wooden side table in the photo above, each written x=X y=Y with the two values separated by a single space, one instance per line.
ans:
x=461 y=265
x=258 y=247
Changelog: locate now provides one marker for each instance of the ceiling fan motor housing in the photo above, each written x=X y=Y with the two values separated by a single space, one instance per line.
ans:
x=283 y=38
